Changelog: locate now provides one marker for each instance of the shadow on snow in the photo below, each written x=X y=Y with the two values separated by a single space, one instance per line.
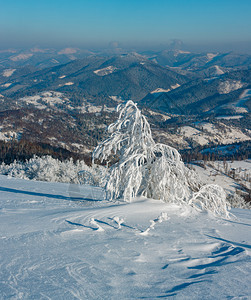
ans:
x=9 y=190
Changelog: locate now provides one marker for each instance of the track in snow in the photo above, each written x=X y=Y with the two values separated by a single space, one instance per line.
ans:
x=51 y=248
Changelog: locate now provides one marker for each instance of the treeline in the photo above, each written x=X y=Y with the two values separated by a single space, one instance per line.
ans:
x=23 y=150
x=237 y=151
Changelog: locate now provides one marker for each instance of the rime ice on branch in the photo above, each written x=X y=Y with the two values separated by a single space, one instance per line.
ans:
x=150 y=169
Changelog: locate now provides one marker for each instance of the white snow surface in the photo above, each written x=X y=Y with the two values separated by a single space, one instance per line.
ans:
x=218 y=70
x=9 y=135
x=161 y=90
x=21 y=57
x=228 y=86
x=214 y=173
x=46 y=99
x=68 y=51
x=116 y=98
x=105 y=71
x=6 y=85
x=230 y=117
x=203 y=133
x=238 y=104
x=162 y=116
x=8 y=72
x=195 y=134
x=177 y=52
x=243 y=97
x=58 y=242
x=211 y=56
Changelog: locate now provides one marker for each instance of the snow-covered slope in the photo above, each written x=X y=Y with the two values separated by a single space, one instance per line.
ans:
x=228 y=86
x=59 y=242
x=204 y=133
x=229 y=174
x=47 y=99
x=105 y=71
x=8 y=72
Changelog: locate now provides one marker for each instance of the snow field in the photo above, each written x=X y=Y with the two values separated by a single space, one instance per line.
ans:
x=228 y=86
x=21 y=57
x=8 y=72
x=68 y=242
x=48 y=99
x=105 y=71
x=161 y=90
x=6 y=85
x=237 y=105
x=215 y=173
x=52 y=247
x=203 y=133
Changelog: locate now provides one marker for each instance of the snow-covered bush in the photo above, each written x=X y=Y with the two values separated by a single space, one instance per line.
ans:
x=237 y=201
x=47 y=168
x=151 y=169
x=211 y=197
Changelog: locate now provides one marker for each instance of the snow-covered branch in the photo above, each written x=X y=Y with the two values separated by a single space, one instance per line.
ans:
x=151 y=169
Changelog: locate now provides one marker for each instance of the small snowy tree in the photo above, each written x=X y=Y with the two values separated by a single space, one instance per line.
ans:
x=147 y=168
x=47 y=168
x=211 y=197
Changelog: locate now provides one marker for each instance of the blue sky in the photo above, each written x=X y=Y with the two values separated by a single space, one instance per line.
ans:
x=94 y=23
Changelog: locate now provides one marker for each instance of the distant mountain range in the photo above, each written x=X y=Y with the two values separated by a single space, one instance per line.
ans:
x=191 y=62
x=80 y=89
x=96 y=78
x=204 y=95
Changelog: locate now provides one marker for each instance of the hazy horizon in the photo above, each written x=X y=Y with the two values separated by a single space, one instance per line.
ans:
x=202 y=25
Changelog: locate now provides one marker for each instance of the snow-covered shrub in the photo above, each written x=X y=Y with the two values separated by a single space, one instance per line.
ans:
x=150 y=169
x=47 y=168
x=237 y=201
x=211 y=197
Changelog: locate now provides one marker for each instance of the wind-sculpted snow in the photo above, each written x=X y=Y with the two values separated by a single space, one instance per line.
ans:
x=56 y=243
x=150 y=169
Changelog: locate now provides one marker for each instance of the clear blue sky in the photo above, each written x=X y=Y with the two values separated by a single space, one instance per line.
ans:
x=131 y=22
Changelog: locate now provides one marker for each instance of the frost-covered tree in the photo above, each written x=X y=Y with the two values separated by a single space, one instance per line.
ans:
x=47 y=168
x=150 y=169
